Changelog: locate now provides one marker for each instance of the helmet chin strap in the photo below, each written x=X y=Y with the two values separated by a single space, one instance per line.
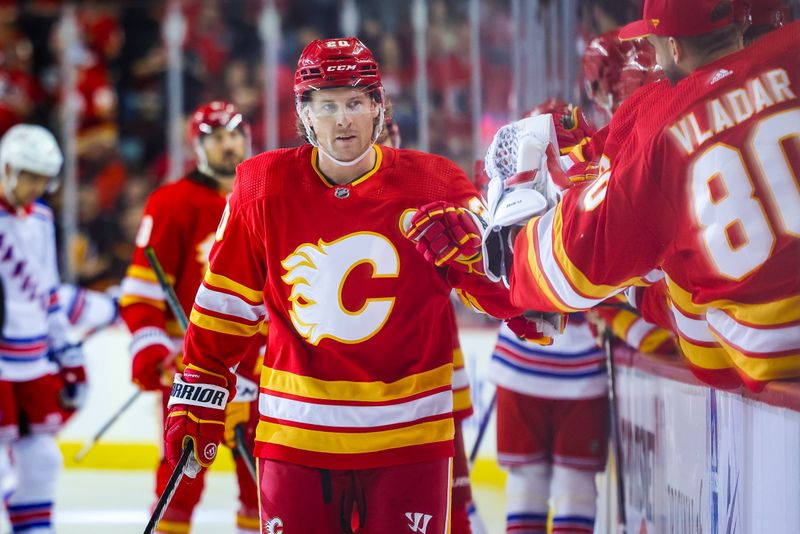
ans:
x=312 y=138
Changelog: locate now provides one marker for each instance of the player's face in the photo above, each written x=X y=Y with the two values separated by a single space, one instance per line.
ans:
x=665 y=58
x=225 y=150
x=343 y=120
x=29 y=187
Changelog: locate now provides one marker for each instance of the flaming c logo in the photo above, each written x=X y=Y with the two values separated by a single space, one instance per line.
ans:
x=317 y=274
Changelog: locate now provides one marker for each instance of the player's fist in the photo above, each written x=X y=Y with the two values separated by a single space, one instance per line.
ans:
x=70 y=362
x=196 y=412
x=153 y=354
x=74 y=389
x=572 y=128
x=446 y=235
x=539 y=328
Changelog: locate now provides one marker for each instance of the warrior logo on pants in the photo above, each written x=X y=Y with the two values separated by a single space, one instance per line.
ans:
x=415 y=519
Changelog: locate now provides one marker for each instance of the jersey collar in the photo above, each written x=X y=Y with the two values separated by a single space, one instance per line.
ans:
x=360 y=179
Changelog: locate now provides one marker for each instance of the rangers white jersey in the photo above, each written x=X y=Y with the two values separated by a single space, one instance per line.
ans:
x=573 y=367
x=34 y=322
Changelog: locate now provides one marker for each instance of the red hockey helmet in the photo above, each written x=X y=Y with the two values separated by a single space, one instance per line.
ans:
x=207 y=118
x=639 y=69
x=341 y=62
x=603 y=60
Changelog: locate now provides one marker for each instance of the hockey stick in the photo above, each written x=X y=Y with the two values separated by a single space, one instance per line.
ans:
x=244 y=451
x=171 y=487
x=614 y=421
x=177 y=311
x=90 y=445
x=172 y=299
x=487 y=416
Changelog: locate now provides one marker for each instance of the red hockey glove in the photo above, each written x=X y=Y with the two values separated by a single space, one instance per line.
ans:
x=153 y=355
x=73 y=376
x=539 y=328
x=572 y=129
x=196 y=412
x=447 y=235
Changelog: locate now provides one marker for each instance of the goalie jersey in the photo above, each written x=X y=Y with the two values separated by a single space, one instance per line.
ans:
x=359 y=367
x=712 y=199
x=34 y=321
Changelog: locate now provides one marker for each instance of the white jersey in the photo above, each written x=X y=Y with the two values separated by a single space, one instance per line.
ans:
x=34 y=322
x=573 y=367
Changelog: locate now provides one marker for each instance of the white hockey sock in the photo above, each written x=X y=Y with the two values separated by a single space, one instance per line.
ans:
x=574 y=500
x=527 y=492
x=37 y=461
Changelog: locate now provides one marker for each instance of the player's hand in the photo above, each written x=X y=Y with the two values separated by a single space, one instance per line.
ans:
x=242 y=411
x=70 y=361
x=572 y=129
x=447 y=236
x=152 y=356
x=197 y=413
x=536 y=327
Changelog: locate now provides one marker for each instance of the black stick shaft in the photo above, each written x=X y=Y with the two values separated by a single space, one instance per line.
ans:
x=172 y=299
x=614 y=420
x=244 y=451
x=487 y=416
x=103 y=429
x=169 y=490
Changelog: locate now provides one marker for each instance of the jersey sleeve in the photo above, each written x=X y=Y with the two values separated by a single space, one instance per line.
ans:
x=227 y=322
x=599 y=239
x=143 y=302
x=474 y=290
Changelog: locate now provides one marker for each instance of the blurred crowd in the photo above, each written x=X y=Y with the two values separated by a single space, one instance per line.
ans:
x=121 y=59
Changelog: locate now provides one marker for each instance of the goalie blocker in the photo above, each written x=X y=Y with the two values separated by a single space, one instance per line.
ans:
x=520 y=187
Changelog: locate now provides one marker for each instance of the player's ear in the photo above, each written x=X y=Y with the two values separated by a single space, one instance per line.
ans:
x=677 y=50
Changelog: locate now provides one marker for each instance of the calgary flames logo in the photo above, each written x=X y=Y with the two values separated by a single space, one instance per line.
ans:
x=317 y=274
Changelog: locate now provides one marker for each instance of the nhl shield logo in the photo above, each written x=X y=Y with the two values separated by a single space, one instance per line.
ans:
x=341 y=192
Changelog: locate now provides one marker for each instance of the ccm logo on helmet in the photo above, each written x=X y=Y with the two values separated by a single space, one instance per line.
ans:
x=340 y=67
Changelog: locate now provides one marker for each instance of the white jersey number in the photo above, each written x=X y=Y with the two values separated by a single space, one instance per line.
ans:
x=736 y=230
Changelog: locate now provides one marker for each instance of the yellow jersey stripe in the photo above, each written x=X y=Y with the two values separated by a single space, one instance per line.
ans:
x=575 y=275
x=772 y=313
x=223 y=326
x=705 y=357
x=533 y=266
x=223 y=282
x=315 y=388
x=128 y=300
x=654 y=339
x=762 y=369
x=355 y=442
x=145 y=273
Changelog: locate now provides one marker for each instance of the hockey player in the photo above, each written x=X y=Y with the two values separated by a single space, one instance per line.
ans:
x=356 y=393
x=709 y=196
x=42 y=378
x=179 y=222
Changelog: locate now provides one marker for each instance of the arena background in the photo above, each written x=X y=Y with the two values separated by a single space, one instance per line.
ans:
x=116 y=80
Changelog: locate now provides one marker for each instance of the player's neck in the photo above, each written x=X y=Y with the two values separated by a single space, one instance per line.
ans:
x=342 y=174
x=711 y=58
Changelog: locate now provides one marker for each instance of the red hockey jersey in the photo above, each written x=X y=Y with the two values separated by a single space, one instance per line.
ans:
x=359 y=366
x=712 y=199
x=179 y=222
